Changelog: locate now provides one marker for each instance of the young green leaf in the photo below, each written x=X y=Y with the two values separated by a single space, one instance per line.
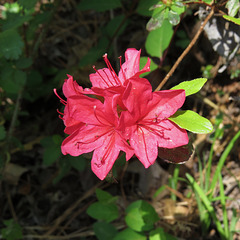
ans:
x=159 y=39
x=191 y=87
x=233 y=7
x=141 y=216
x=173 y=17
x=232 y=19
x=192 y=121
x=128 y=233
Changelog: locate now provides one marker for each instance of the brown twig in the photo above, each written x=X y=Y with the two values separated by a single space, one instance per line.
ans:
x=68 y=211
x=185 y=52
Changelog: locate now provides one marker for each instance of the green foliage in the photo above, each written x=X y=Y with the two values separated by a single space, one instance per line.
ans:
x=12 y=231
x=2 y=133
x=233 y=7
x=159 y=234
x=141 y=216
x=192 y=122
x=144 y=6
x=103 y=210
x=191 y=87
x=169 y=10
x=158 y=40
x=11 y=44
x=99 y=5
x=143 y=61
x=104 y=230
x=232 y=19
x=128 y=233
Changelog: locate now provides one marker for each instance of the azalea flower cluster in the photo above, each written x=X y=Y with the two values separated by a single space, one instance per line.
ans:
x=120 y=113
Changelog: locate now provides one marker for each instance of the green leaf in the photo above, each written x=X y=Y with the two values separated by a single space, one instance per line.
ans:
x=114 y=24
x=143 y=61
x=191 y=87
x=173 y=17
x=144 y=6
x=23 y=62
x=94 y=53
x=2 y=132
x=14 y=20
x=192 y=122
x=232 y=19
x=233 y=7
x=79 y=163
x=103 y=196
x=64 y=168
x=28 y=4
x=159 y=39
x=52 y=150
x=141 y=216
x=103 y=211
x=159 y=234
x=128 y=233
x=104 y=230
x=99 y=5
x=11 y=44
x=13 y=230
x=156 y=21
x=16 y=79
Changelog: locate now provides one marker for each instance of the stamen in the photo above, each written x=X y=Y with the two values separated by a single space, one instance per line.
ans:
x=100 y=75
x=120 y=60
x=61 y=100
x=113 y=73
x=60 y=112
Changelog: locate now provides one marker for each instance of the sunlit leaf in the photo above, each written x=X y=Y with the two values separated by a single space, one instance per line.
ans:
x=156 y=21
x=232 y=19
x=143 y=61
x=173 y=17
x=191 y=87
x=192 y=121
x=233 y=7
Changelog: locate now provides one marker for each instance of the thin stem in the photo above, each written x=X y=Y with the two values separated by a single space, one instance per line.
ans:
x=185 y=52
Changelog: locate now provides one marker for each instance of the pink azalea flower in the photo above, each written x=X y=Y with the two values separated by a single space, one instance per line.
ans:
x=99 y=133
x=146 y=122
x=107 y=77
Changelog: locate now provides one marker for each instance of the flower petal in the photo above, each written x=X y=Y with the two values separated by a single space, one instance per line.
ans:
x=144 y=144
x=165 y=103
x=104 y=78
x=71 y=87
x=131 y=65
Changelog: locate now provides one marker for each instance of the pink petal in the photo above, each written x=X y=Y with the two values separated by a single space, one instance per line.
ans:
x=144 y=144
x=165 y=103
x=85 y=140
x=137 y=95
x=71 y=87
x=174 y=137
x=105 y=156
x=131 y=65
x=87 y=110
x=104 y=78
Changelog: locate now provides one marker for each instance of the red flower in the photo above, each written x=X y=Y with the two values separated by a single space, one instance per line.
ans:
x=122 y=115
x=146 y=122
x=99 y=133
x=107 y=77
